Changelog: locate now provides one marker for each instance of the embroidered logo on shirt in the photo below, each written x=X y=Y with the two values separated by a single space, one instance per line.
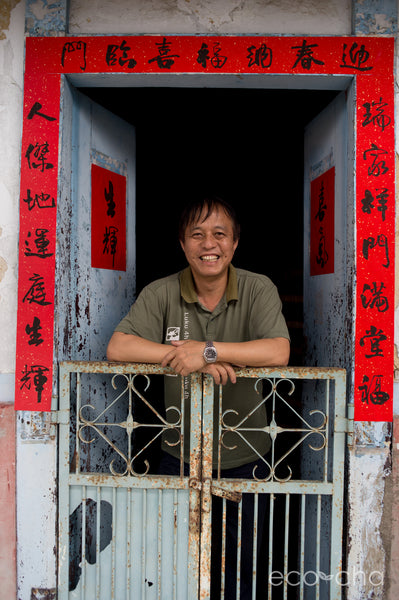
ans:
x=172 y=334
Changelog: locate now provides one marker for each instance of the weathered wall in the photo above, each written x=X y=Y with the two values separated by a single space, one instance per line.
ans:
x=12 y=17
x=7 y=502
x=371 y=529
x=209 y=16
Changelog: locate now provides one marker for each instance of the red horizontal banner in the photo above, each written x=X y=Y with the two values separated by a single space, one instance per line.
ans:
x=370 y=60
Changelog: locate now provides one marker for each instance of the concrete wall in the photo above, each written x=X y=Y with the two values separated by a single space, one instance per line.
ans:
x=12 y=23
x=316 y=17
x=372 y=523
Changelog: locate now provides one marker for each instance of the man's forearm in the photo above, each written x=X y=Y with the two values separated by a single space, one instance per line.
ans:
x=271 y=352
x=124 y=347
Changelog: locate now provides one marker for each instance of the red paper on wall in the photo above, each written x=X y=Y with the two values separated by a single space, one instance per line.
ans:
x=369 y=60
x=108 y=219
x=322 y=229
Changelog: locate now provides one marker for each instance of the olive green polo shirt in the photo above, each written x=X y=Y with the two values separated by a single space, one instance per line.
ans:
x=168 y=309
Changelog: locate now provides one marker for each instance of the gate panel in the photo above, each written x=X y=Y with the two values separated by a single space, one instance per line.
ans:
x=126 y=532
x=289 y=517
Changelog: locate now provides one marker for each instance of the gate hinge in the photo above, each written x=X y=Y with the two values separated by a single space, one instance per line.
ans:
x=345 y=424
x=349 y=420
x=59 y=417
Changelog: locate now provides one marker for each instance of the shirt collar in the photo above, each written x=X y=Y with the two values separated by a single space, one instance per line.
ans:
x=187 y=288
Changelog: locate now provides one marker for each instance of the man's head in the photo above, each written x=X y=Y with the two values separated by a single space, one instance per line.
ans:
x=209 y=233
x=199 y=210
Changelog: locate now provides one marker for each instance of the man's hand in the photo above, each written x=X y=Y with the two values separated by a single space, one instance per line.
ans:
x=187 y=357
x=221 y=372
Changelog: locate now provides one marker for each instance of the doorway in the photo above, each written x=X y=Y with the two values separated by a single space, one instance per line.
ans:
x=243 y=144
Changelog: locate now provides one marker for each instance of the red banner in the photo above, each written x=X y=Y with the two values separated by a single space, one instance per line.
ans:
x=369 y=60
x=322 y=230
x=108 y=219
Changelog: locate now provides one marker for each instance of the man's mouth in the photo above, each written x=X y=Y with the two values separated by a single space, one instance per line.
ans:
x=209 y=257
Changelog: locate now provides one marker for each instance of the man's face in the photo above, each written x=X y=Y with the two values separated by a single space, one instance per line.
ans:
x=209 y=245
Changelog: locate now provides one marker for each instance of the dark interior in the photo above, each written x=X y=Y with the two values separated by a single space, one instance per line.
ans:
x=245 y=145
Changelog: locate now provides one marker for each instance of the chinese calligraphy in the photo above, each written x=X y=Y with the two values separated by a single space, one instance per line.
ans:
x=261 y=57
x=41 y=242
x=374 y=336
x=37 y=372
x=41 y=200
x=372 y=391
x=375 y=114
x=382 y=197
x=108 y=219
x=322 y=223
x=33 y=331
x=112 y=56
x=39 y=152
x=110 y=241
x=36 y=293
x=164 y=59
x=35 y=111
x=74 y=49
x=305 y=55
x=357 y=56
x=371 y=297
x=378 y=167
x=217 y=59
x=373 y=242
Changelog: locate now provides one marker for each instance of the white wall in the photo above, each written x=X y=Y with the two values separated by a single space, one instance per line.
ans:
x=11 y=88
x=310 y=17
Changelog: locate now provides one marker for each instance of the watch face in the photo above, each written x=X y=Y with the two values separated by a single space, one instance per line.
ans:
x=210 y=354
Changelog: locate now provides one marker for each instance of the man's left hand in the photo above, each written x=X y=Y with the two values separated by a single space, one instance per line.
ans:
x=187 y=357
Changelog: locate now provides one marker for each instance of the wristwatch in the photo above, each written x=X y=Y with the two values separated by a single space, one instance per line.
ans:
x=210 y=352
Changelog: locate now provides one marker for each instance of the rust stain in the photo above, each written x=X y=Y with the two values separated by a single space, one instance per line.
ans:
x=6 y=7
x=43 y=594
x=3 y=267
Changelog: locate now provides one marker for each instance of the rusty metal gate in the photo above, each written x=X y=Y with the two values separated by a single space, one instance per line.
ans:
x=126 y=532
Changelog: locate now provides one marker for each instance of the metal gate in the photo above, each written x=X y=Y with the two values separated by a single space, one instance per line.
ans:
x=126 y=532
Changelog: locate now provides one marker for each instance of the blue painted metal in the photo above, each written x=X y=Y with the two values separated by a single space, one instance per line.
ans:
x=375 y=17
x=46 y=17
x=126 y=533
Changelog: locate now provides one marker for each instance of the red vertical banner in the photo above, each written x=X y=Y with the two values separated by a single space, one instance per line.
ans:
x=108 y=219
x=375 y=206
x=37 y=245
x=322 y=229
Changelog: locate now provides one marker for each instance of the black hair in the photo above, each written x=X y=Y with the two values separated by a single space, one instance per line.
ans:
x=192 y=213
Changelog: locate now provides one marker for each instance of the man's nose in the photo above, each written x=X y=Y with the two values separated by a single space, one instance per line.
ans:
x=209 y=240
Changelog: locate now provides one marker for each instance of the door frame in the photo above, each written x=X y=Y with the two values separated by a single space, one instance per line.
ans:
x=363 y=63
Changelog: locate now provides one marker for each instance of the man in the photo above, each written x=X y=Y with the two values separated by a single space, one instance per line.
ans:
x=211 y=318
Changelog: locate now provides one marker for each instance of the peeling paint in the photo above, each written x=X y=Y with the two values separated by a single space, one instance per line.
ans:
x=366 y=558
x=44 y=17
x=376 y=17
x=6 y=6
x=43 y=594
x=3 y=267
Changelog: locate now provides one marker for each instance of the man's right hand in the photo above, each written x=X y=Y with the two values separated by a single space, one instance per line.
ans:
x=221 y=372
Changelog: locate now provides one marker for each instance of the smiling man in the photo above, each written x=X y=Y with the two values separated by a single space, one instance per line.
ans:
x=211 y=318
x=213 y=315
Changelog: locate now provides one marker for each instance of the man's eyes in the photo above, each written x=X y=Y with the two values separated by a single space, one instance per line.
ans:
x=217 y=234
